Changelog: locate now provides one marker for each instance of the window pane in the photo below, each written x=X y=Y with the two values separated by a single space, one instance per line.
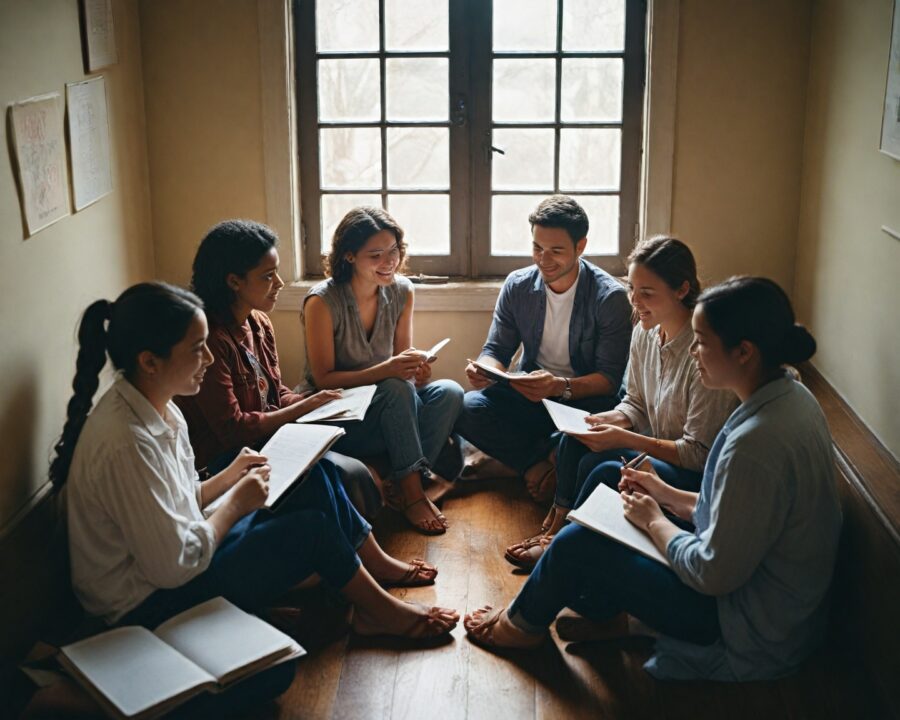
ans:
x=591 y=90
x=350 y=158
x=334 y=207
x=417 y=89
x=349 y=90
x=589 y=159
x=418 y=157
x=527 y=162
x=343 y=25
x=416 y=25
x=593 y=25
x=510 y=231
x=425 y=220
x=524 y=90
x=603 y=216
x=524 y=25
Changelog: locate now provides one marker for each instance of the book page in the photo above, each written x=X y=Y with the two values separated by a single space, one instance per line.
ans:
x=133 y=668
x=352 y=405
x=432 y=353
x=567 y=419
x=602 y=513
x=222 y=638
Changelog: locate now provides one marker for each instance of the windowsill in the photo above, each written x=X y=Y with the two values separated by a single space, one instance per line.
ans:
x=462 y=296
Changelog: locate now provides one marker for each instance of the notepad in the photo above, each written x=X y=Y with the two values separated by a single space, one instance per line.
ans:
x=567 y=419
x=602 y=513
x=351 y=405
x=136 y=673
x=291 y=451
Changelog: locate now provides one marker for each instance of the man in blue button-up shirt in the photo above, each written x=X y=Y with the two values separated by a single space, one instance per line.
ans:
x=573 y=322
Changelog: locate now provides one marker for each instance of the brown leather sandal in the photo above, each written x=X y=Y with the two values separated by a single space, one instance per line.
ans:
x=418 y=573
x=423 y=525
x=526 y=554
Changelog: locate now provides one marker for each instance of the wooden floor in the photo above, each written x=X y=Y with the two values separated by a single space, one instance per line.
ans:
x=350 y=677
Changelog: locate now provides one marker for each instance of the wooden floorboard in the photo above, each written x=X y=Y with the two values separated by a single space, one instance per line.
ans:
x=357 y=678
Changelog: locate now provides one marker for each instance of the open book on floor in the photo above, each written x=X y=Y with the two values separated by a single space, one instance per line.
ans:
x=351 y=405
x=135 y=673
x=291 y=451
x=567 y=419
x=602 y=513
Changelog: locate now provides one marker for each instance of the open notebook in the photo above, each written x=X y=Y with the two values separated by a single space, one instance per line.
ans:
x=351 y=405
x=136 y=673
x=291 y=451
x=602 y=513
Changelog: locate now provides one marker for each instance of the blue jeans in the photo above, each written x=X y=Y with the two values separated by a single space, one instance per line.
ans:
x=600 y=578
x=411 y=425
x=315 y=530
x=579 y=471
x=507 y=426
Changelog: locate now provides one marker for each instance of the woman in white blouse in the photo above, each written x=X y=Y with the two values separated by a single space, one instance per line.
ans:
x=666 y=411
x=141 y=547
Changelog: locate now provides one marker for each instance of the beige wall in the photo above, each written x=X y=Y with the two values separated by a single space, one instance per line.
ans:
x=50 y=278
x=848 y=271
x=204 y=126
x=742 y=73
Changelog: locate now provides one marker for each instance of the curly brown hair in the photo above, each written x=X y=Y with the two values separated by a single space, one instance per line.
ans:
x=354 y=231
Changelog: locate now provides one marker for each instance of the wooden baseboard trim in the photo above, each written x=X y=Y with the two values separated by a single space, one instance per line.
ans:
x=861 y=457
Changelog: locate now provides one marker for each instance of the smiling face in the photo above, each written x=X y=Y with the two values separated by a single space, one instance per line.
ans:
x=556 y=256
x=720 y=368
x=376 y=262
x=259 y=287
x=182 y=372
x=652 y=298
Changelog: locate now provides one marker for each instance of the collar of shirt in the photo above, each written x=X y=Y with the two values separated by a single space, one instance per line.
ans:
x=145 y=412
x=677 y=344
x=763 y=396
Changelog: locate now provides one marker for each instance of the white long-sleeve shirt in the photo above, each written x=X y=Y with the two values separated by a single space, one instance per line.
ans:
x=133 y=500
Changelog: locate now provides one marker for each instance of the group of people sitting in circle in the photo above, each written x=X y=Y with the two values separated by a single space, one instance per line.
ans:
x=737 y=492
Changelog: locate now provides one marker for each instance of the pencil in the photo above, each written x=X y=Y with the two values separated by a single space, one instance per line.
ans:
x=635 y=461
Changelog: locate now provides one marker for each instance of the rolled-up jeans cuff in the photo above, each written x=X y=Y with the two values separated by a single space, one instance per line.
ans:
x=362 y=535
x=417 y=466
x=563 y=504
x=516 y=618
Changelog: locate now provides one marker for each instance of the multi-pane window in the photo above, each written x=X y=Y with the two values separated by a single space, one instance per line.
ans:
x=459 y=116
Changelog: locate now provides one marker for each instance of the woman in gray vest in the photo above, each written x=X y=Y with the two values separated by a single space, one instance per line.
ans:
x=359 y=325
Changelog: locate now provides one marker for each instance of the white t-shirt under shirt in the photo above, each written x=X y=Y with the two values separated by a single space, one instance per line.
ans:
x=553 y=354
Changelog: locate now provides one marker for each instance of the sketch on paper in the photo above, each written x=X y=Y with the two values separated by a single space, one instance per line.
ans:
x=890 y=125
x=89 y=141
x=39 y=146
x=99 y=34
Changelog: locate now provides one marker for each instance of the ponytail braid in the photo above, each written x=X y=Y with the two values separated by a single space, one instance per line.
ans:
x=91 y=359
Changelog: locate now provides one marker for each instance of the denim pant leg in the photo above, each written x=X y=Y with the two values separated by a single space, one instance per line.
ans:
x=316 y=530
x=391 y=425
x=600 y=578
x=505 y=425
x=608 y=472
x=438 y=405
x=240 y=698
x=571 y=458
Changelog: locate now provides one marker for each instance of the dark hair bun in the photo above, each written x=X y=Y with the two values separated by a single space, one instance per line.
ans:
x=799 y=345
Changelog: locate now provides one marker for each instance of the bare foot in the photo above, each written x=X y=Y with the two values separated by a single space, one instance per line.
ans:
x=549 y=520
x=396 y=573
x=526 y=554
x=492 y=628
x=409 y=620
x=425 y=517
x=540 y=481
